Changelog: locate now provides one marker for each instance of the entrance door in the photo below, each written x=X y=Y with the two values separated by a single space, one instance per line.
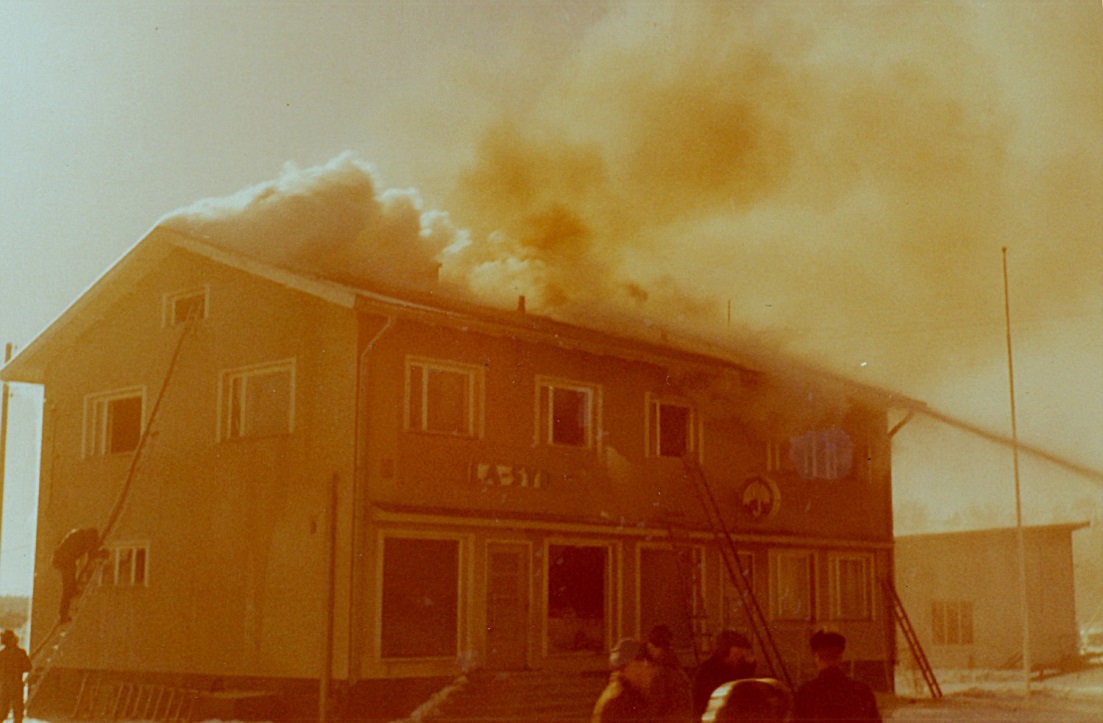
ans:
x=507 y=606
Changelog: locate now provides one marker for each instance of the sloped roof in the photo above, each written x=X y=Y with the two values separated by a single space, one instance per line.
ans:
x=439 y=308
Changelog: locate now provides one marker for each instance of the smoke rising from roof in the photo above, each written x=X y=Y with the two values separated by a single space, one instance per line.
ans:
x=843 y=176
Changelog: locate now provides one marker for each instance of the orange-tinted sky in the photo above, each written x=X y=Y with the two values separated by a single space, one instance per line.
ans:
x=843 y=174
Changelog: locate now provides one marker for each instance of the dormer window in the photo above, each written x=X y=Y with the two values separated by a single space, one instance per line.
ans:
x=182 y=306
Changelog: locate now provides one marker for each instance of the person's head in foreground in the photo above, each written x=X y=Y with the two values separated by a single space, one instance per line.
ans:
x=827 y=648
x=732 y=646
x=630 y=660
x=763 y=700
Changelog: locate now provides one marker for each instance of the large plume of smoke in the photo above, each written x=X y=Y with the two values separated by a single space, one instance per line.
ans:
x=841 y=176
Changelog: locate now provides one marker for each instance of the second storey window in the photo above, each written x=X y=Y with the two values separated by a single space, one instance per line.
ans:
x=443 y=398
x=822 y=454
x=566 y=413
x=670 y=428
x=113 y=422
x=257 y=401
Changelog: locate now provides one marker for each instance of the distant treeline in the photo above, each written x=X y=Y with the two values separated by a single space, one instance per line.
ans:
x=14 y=610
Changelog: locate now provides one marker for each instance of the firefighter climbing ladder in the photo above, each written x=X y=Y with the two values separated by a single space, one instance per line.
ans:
x=906 y=628
x=760 y=628
x=45 y=653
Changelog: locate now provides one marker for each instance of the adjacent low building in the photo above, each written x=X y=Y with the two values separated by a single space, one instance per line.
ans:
x=962 y=593
x=306 y=480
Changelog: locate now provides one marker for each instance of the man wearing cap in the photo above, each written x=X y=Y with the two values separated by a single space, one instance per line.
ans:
x=732 y=659
x=831 y=695
x=625 y=697
x=14 y=664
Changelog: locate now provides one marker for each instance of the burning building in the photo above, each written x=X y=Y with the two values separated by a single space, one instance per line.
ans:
x=308 y=470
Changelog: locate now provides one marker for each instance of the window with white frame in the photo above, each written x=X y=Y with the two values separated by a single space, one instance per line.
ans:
x=182 y=306
x=127 y=565
x=257 y=401
x=851 y=586
x=566 y=412
x=794 y=586
x=735 y=614
x=952 y=622
x=671 y=428
x=443 y=397
x=822 y=454
x=419 y=612
x=113 y=421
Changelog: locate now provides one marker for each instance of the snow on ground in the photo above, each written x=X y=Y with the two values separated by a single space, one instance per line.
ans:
x=999 y=696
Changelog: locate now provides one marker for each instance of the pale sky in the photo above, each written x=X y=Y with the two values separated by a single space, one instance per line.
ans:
x=843 y=173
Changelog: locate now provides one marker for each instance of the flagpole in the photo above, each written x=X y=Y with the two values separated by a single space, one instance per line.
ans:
x=1024 y=601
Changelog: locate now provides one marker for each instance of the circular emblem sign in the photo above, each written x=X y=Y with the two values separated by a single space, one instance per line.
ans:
x=760 y=498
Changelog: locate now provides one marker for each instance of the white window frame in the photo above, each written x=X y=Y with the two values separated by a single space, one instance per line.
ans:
x=463 y=584
x=225 y=387
x=168 y=304
x=544 y=427
x=653 y=413
x=97 y=407
x=416 y=420
x=957 y=607
x=776 y=558
x=821 y=455
x=834 y=561
x=138 y=559
x=746 y=561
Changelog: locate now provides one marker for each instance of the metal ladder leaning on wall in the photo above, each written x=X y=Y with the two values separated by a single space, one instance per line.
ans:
x=45 y=654
x=912 y=639
x=760 y=627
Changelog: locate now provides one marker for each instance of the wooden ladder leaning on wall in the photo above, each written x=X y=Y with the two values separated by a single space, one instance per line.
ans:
x=759 y=625
x=912 y=639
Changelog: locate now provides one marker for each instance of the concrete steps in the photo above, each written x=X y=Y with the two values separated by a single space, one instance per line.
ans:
x=524 y=696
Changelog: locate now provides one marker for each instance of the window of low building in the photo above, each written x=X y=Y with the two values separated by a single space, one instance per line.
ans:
x=420 y=605
x=258 y=401
x=671 y=591
x=567 y=413
x=671 y=428
x=851 y=586
x=113 y=421
x=127 y=565
x=952 y=622
x=443 y=398
x=794 y=586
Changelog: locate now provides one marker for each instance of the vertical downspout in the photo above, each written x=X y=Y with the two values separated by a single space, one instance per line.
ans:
x=330 y=598
x=359 y=488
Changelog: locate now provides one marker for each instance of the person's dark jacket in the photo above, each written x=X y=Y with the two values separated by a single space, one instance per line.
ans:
x=75 y=544
x=712 y=674
x=14 y=663
x=832 y=696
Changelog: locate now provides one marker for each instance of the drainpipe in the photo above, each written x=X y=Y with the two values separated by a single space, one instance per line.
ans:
x=330 y=580
x=359 y=490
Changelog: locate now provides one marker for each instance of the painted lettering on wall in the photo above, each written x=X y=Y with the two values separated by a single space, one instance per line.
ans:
x=504 y=475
